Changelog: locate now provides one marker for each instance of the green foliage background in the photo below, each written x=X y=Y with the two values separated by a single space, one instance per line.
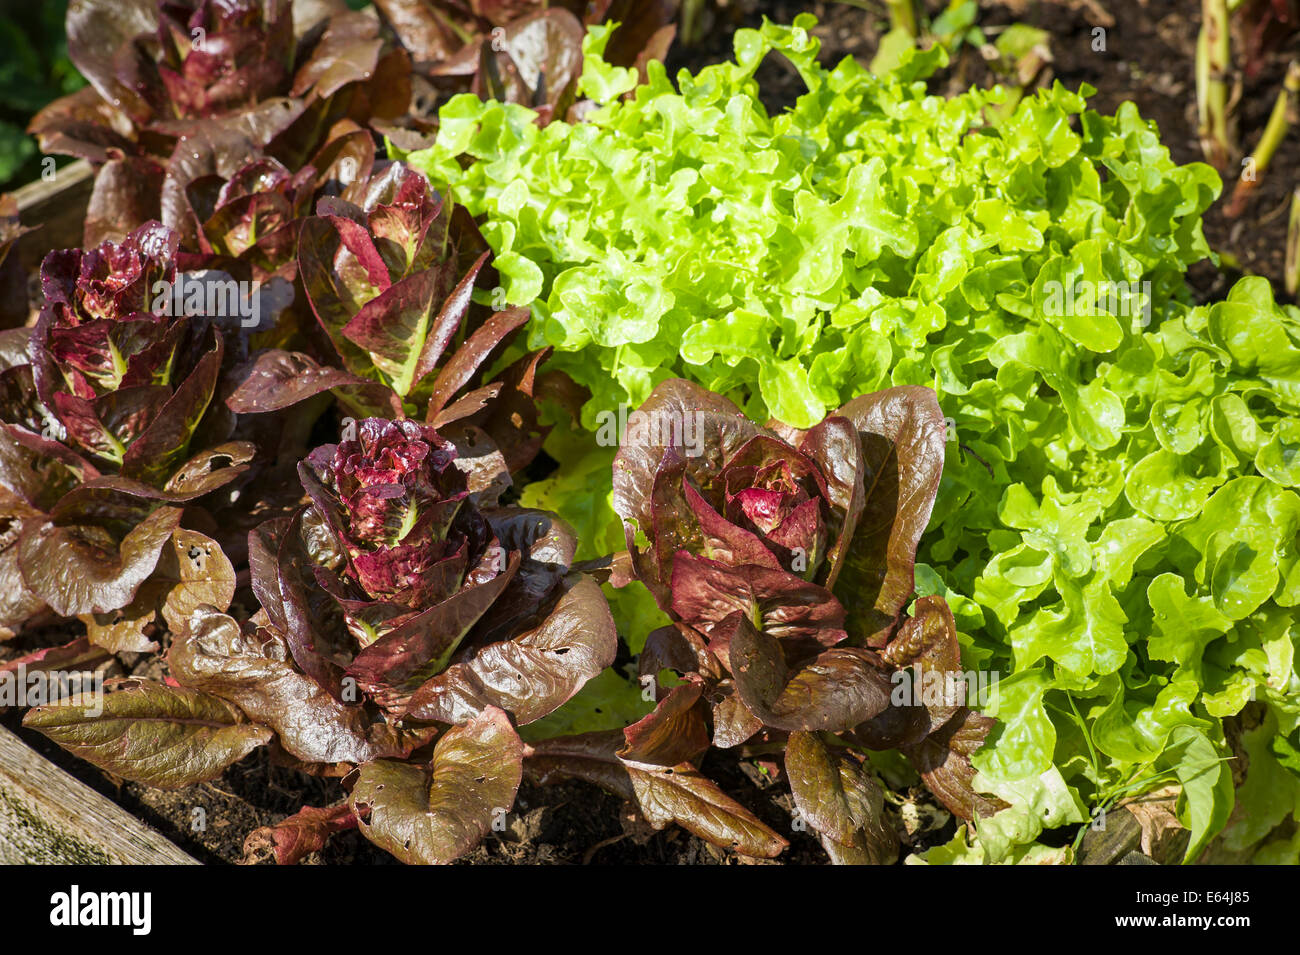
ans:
x=34 y=69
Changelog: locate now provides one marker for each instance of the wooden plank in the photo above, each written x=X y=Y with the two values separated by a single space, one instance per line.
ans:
x=49 y=818
x=58 y=206
x=1121 y=836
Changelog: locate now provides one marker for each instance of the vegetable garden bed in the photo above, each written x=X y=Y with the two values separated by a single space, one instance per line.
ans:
x=477 y=446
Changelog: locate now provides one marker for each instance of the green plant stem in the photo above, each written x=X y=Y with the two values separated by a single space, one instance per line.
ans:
x=1213 y=59
x=902 y=16
x=1285 y=108
x=1292 y=264
x=1087 y=738
x=692 y=21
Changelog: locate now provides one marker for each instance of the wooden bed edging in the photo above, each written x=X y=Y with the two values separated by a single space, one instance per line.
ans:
x=49 y=818
x=58 y=206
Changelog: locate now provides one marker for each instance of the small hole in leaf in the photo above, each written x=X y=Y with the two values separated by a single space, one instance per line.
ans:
x=561 y=651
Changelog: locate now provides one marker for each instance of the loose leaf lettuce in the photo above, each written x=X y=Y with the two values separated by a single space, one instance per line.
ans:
x=1119 y=494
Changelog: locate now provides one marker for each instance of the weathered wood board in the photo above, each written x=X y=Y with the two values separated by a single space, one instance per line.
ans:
x=49 y=818
x=58 y=206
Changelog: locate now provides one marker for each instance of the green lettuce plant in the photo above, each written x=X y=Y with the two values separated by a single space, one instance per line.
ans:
x=1116 y=530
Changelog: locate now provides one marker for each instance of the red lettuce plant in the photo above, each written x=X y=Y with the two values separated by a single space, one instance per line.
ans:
x=247 y=223
x=390 y=282
x=745 y=535
x=534 y=60
x=180 y=84
x=104 y=407
x=404 y=633
x=520 y=51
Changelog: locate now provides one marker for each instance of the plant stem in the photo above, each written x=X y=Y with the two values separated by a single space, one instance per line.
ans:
x=1279 y=124
x=1292 y=264
x=902 y=16
x=1213 y=58
x=692 y=21
x=1087 y=738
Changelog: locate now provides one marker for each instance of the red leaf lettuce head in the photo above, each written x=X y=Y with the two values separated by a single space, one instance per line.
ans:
x=401 y=509
x=390 y=279
x=185 y=89
x=99 y=405
x=394 y=577
x=525 y=51
x=127 y=376
x=252 y=215
x=841 y=505
x=223 y=55
x=114 y=281
x=391 y=603
x=749 y=533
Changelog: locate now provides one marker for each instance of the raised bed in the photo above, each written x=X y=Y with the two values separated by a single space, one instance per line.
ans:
x=58 y=207
x=47 y=815
x=49 y=818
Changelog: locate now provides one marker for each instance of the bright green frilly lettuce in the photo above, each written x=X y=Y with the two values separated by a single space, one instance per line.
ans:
x=1117 y=529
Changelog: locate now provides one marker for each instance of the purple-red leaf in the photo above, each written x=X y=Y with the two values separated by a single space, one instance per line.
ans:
x=153 y=456
x=395 y=665
x=432 y=816
x=659 y=424
x=79 y=655
x=278 y=379
x=81 y=569
x=159 y=735
x=682 y=795
x=396 y=326
x=943 y=760
x=803 y=616
x=253 y=670
x=841 y=801
x=902 y=432
x=663 y=793
x=533 y=673
x=294 y=838
x=834 y=691
x=673 y=733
